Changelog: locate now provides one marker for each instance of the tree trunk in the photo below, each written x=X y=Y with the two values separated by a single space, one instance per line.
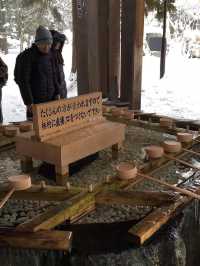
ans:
x=3 y=38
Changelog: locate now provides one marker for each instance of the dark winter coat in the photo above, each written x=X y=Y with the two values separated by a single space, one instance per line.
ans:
x=38 y=81
x=58 y=37
x=3 y=80
x=3 y=73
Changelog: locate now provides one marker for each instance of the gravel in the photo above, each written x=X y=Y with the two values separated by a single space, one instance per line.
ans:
x=19 y=211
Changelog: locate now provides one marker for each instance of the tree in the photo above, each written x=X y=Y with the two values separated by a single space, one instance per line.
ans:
x=20 y=18
x=3 y=36
x=157 y=6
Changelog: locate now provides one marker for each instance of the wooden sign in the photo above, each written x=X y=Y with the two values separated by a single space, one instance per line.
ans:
x=55 y=116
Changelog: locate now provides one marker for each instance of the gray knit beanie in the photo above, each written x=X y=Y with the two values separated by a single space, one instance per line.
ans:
x=43 y=35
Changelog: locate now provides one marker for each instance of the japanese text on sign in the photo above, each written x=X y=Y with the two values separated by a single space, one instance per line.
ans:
x=61 y=114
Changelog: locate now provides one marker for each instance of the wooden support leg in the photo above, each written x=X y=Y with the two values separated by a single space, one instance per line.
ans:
x=26 y=164
x=62 y=172
x=115 y=150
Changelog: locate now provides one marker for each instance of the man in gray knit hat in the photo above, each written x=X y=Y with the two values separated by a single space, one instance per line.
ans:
x=35 y=72
x=43 y=39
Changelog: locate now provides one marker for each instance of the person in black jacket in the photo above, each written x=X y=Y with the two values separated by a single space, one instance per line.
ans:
x=3 y=80
x=57 y=47
x=35 y=72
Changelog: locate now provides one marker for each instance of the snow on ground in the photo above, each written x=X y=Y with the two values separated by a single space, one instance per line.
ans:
x=177 y=94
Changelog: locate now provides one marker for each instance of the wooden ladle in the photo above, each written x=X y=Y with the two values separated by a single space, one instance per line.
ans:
x=175 y=188
x=19 y=182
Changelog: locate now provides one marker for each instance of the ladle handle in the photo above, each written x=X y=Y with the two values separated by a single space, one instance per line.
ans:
x=7 y=196
x=178 y=189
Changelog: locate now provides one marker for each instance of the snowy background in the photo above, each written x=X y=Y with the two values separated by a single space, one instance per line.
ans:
x=177 y=94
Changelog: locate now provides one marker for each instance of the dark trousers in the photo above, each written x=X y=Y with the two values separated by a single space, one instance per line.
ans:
x=29 y=115
x=1 y=114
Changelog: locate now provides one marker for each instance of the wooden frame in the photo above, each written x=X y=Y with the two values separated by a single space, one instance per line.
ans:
x=79 y=202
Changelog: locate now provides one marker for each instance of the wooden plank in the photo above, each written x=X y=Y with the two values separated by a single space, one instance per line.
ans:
x=146 y=228
x=82 y=212
x=52 y=117
x=132 y=51
x=43 y=188
x=6 y=141
x=51 y=137
x=37 y=150
x=135 y=198
x=92 y=140
x=57 y=215
x=43 y=240
x=42 y=194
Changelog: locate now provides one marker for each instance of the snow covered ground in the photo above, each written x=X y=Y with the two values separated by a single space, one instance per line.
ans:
x=177 y=94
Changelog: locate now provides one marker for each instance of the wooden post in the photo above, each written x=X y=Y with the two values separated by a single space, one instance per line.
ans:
x=115 y=151
x=82 y=47
x=134 y=198
x=103 y=46
x=26 y=164
x=62 y=172
x=132 y=51
x=56 y=215
x=114 y=48
x=74 y=42
x=93 y=45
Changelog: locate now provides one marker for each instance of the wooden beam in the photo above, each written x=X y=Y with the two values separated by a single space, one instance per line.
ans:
x=146 y=228
x=47 y=193
x=135 y=198
x=57 y=215
x=70 y=209
x=48 y=240
x=132 y=51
